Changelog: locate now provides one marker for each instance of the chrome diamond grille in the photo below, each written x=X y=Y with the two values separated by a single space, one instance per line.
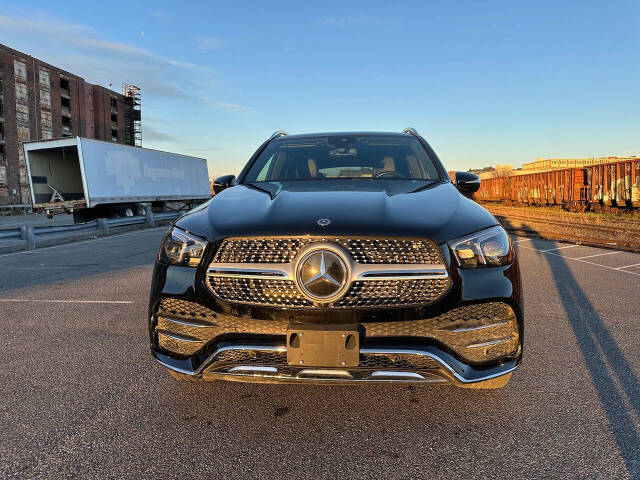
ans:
x=374 y=361
x=277 y=293
x=246 y=288
x=259 y=250
x=391 y=251
x=363 y=250
x=393 y=292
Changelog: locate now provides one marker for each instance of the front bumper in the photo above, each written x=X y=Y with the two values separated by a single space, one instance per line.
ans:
x=472 y=336
x=463 y=345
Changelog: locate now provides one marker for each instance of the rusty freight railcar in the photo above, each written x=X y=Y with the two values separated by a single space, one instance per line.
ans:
x=610 y=183
x=494 y=190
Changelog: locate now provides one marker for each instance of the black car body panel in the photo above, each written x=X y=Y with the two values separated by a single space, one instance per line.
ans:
x=438 y=212
x=402 y=209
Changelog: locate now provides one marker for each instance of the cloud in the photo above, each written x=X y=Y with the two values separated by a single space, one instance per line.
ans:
x=175 y=92
x=151 y=133
x=84 y=37
x=234 y=107
x=168 y=91
x=350 y=20
x=124 y=48
x=210 y=149
x=207 y=43
x=159 y=15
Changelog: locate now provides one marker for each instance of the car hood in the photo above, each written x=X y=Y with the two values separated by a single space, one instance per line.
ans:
x=382 y=208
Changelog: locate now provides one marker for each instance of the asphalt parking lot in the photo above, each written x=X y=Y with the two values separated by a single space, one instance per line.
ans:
x=81 y=396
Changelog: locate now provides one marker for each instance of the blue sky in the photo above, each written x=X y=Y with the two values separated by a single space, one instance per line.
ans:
x=485 y=82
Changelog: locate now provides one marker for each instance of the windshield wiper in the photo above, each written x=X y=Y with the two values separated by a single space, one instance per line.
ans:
x=272 y=193
x=425 y=186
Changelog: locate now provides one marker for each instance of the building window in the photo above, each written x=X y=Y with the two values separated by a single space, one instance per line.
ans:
x=65 y=104
x=20 y=70
x=45 y=98
x=43 y=77
x=22 y=114
x=114 y=102
x=64 y=87
x=46 y=119
x=66 y=126
x=114 y=117
x=114 y=135
x=22 y=94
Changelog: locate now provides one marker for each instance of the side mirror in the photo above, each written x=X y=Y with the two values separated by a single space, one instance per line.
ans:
x=467 y=183
x=220 y=183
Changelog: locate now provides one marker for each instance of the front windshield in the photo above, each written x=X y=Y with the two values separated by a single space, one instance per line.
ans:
x=368 y=157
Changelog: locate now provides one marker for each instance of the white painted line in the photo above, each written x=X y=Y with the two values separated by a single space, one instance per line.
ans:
x=45 y=267
x=561 y=248
x=597 y=255
x=582 y=261
x=25 y=300
x=41 y=250
x=628 y=266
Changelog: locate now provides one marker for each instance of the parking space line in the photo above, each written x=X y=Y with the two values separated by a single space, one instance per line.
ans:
x=628 y=266
x=25 y=300
x=561 y=248
x=44 y=267
x=581 y=261
x=597 y=255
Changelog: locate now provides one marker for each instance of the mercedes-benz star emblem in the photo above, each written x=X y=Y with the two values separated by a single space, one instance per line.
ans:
x=323 y=222
x=322 y=275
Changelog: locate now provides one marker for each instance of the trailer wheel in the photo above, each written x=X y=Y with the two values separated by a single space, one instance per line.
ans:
x=127 y=211
x=140 y=209
x=118 y=211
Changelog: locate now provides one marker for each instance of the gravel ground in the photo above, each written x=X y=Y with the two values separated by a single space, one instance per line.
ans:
x=610 y=229
x=82 y=397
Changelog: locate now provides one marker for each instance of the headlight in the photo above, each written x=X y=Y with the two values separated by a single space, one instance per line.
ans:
x=181 y=248
x=488 y=248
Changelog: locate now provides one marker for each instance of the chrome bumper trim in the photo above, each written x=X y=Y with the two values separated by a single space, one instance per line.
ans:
x=360 y=271
x=251 y=368
x=406 y=376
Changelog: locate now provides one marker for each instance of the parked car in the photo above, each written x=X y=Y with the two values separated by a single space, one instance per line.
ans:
x=339 y=257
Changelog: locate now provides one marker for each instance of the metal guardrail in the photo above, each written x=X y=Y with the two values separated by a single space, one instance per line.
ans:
x=30 y=233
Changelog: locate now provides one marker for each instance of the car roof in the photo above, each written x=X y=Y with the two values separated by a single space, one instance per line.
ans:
x=342 y=134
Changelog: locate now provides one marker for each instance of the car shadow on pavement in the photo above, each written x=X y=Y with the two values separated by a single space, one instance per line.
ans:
x=610 y=371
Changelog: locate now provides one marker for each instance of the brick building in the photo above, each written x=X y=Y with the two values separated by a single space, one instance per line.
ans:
x=39 y=101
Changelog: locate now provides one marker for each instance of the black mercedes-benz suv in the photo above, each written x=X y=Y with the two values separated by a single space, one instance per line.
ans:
x=339 y=257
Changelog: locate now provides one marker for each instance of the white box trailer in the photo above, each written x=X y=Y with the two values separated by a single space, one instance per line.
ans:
x=93 y=179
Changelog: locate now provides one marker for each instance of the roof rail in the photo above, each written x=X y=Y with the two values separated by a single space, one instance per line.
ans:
x=411 y=131
x=277 y=134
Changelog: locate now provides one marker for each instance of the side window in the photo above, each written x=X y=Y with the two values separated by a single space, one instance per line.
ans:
x=262 y=176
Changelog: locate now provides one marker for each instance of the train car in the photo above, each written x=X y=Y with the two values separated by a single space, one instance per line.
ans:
x=611 y=183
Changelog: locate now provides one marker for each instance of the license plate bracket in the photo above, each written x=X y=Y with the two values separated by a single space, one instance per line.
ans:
x=329 y=346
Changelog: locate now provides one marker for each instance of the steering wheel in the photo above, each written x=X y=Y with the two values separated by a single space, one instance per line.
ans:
x=390 y=173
